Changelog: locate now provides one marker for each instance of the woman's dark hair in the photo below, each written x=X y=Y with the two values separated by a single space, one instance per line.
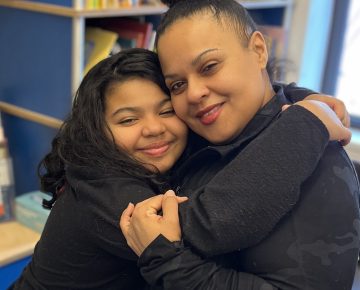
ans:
x=83 y=139
x=228 y=13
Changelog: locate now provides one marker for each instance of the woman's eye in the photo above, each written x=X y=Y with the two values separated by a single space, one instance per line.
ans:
x=210 y=67
x=176 y=87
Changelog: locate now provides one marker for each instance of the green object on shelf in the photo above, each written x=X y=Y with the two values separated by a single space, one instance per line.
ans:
x=29 y=210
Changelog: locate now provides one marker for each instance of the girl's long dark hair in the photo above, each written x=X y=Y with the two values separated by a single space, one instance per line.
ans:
x=83 y=139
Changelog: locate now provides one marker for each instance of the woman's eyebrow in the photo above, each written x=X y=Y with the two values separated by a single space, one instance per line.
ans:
x=194 y=62
x=198 y=58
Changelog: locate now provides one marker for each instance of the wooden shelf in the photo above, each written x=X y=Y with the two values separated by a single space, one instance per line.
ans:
x=265 y=4
x=97 y=13
x=17 y=242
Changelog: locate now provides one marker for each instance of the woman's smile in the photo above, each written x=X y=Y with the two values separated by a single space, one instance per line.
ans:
x=210 y=114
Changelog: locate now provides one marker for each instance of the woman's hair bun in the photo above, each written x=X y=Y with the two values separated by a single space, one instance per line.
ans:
x=170 y=3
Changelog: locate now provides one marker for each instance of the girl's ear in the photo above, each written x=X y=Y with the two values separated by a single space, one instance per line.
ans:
x=257 y=44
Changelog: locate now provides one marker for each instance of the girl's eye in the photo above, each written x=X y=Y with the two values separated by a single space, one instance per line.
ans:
x=167 y=112
x=127 y=122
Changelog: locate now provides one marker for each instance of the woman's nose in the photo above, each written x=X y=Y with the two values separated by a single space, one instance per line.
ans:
x=196 y=91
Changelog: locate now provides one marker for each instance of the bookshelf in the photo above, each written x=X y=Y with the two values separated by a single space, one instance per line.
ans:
x=42 y=64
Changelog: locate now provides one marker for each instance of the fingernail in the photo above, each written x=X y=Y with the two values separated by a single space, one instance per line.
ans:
x=170 y=193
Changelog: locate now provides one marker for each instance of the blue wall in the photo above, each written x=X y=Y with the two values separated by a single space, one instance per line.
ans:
x=35 y=73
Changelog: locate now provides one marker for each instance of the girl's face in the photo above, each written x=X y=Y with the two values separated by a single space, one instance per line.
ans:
x=143 y=122
x=217 y=85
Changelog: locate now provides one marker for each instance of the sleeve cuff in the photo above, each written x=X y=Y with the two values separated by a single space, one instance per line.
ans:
x=160 y=249
x=294 y=93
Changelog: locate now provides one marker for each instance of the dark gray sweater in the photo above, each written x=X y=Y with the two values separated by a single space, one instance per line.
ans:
x=251 y=215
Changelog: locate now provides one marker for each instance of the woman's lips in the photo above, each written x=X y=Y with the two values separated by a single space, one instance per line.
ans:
x=209 y=115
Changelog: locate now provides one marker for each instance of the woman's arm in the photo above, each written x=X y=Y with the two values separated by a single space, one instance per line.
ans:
x=171 y=265
x=166 y=263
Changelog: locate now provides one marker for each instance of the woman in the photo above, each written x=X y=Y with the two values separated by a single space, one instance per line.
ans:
x=220 y=88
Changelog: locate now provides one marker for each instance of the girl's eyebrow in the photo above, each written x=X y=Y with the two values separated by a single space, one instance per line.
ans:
x=138 y=109
x=126 y=109
x=194 y=62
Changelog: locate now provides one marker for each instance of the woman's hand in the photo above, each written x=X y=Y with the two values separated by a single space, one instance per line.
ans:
x=141 y=224
x=336 y=128
x=335 y=104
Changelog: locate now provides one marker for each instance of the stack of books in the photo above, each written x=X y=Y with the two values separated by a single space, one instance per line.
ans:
x=111 y=4
x=107 y=36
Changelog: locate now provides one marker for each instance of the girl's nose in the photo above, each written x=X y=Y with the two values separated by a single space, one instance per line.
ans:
x=153 y=126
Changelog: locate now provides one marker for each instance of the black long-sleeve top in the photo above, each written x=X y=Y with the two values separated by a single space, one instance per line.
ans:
x=82 y=246
x=313 y=247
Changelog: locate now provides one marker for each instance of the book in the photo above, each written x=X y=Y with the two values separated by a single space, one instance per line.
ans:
x=275 y=37
x=29 y=210
x=127 y=42
x=98 y=45
x=7 y=190
x=126 y=26
x=152 y=41
x=130 y=39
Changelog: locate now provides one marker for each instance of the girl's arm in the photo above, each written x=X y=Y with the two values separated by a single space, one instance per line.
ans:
x=295 y=94
x=246 y=199
x=167 y=263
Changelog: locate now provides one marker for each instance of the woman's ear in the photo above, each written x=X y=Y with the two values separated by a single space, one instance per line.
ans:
x=257 y=44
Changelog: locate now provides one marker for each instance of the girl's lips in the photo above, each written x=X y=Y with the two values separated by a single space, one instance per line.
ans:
x=210 y=114
x=157 y=150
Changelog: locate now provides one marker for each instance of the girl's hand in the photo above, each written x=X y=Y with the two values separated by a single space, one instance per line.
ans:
x=141 y=224
x=335 y=104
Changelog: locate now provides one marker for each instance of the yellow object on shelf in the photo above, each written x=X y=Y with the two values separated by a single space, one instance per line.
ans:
x=99 y=43
x=16 y=242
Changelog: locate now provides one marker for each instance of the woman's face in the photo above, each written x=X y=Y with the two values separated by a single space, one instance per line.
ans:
x=143 y=122
x=217 y=85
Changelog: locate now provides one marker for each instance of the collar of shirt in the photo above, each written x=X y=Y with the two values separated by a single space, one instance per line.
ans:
x=260 y=121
